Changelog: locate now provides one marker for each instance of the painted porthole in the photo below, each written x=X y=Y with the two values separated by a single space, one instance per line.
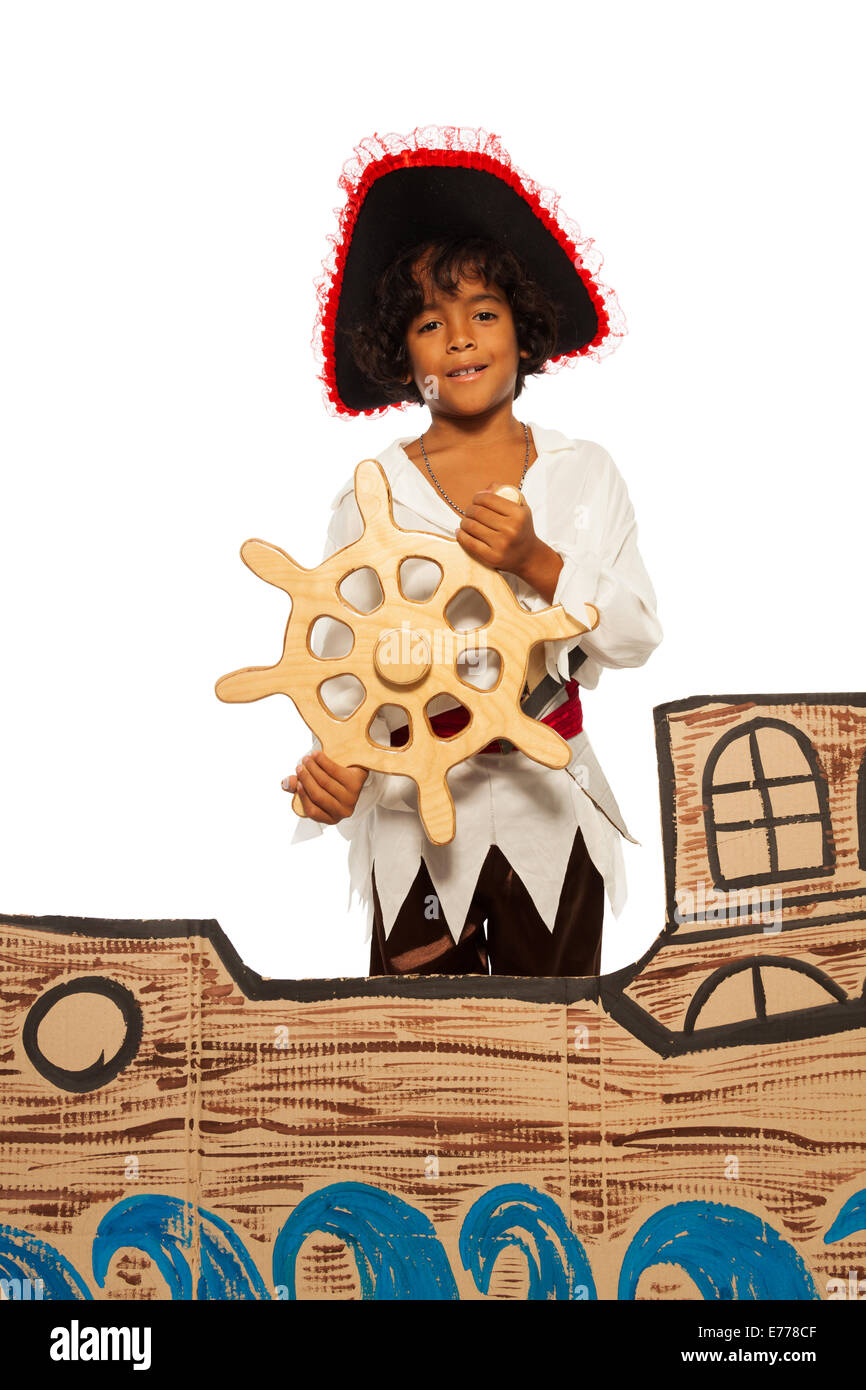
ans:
x=81 y=1033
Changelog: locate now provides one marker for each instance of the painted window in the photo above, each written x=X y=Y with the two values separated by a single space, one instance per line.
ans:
x=766 y=807
x=757 y=988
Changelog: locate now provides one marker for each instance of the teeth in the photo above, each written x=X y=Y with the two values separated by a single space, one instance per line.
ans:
x=467 y=371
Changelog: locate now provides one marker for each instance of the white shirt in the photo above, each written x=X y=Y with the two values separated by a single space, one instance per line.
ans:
x=581 y=508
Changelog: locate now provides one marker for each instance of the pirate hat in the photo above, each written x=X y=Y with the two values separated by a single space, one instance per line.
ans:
x=443 y=182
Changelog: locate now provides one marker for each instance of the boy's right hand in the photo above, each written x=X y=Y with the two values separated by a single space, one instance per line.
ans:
x=328 y=791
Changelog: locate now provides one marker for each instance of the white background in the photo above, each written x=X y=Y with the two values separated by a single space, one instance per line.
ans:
x=169 y=175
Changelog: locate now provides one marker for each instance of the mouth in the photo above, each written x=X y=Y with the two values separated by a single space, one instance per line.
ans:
x=468 y=373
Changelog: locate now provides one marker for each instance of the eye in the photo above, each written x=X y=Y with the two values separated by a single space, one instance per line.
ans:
x=488 y=312
x=431 y=323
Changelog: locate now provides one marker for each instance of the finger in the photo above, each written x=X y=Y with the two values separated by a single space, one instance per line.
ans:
x=334 y=769
x=286 y=783
x=324 y=800
x=476 y=548
x=497 y=521
x=330 y=784
x=479 y=529
x=490 y=499
x=311 y=810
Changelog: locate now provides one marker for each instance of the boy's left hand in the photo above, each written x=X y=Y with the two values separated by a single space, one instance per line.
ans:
x=499 y=533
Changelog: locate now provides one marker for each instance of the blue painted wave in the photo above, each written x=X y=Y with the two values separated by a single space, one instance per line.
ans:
x=164 y=1228
x=517 y=1214
x=396 y=1249
x=728 y=1252
x=850 y=1218
x=25 y=1257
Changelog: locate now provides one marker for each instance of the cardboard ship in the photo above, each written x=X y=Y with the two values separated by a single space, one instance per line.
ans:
x=175 y=1125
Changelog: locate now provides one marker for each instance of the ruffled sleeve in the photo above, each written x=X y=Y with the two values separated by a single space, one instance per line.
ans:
x=602 y=566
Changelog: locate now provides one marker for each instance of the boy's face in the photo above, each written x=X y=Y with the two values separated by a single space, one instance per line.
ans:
x=463 y=347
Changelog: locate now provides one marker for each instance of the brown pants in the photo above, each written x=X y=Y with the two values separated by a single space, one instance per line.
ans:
x=517 y=941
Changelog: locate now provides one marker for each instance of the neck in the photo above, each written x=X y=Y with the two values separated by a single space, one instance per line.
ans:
x=493 y=427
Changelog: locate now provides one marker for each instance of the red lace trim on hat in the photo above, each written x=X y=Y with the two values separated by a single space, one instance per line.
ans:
x=466 y=148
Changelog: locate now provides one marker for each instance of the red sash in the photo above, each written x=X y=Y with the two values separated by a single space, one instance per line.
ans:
x=566 y=719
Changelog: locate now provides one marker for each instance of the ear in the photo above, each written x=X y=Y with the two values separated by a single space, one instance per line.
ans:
x=524 y=352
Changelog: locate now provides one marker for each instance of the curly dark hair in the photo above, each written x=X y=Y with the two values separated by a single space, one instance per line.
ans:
x=378 y=343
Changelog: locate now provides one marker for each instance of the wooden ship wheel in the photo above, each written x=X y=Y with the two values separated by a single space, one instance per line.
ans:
x=405 y=653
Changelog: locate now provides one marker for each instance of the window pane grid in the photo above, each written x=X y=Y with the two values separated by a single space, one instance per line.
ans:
x=764 y=843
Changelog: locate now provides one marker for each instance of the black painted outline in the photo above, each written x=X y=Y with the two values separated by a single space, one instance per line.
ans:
x=542 y=989
x=768 y=821
x=100 y=1072
x=607 y=990
x=662 y=715
x=822 y=1021
x=709 y=986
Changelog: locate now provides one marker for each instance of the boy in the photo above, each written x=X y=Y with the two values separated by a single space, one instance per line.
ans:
x=457 y=321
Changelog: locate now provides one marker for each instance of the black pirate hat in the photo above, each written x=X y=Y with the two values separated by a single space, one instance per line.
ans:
x=446 y=182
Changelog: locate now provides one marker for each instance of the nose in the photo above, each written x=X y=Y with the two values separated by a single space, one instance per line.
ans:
x=461 y=339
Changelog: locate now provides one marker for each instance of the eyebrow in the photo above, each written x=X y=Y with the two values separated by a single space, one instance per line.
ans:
x=473 y=299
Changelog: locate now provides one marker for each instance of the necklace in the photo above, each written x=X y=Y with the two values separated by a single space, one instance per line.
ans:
x=441 y=488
